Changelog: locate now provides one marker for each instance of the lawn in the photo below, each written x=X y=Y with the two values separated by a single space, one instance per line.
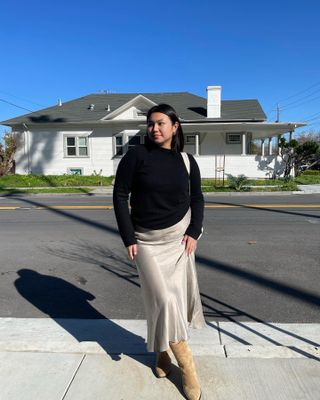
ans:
x=79 y=184
x=35 y=181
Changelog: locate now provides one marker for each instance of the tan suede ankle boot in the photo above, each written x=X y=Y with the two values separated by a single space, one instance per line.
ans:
x=163 y=364
x=190 y=383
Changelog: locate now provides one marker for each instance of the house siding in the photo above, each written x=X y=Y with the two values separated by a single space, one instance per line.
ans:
x=252 y=166
x=215 y=143
x=47 y=154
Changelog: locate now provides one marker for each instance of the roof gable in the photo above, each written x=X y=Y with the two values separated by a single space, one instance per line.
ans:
x=131 y=109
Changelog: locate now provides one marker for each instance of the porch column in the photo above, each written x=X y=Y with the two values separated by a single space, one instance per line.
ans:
x=262 y=147
x=197 y=144
x=270 y=146
x=291 y=136
x=244 y=144
x=278 y=148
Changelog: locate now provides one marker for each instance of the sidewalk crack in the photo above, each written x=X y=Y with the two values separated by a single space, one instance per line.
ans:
x=72 y=378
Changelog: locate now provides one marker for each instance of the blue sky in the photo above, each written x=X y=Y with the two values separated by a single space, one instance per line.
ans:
x=67 y=49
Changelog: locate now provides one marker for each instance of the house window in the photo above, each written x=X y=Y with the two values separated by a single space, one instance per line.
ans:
x=71 y=146
x=82 y=145
x=75 y=171
x=190 y=139
x=142 y=113
x=76 y=146
x=124 y=141
x=233 y=138
x=119 y=145
x=133 y=141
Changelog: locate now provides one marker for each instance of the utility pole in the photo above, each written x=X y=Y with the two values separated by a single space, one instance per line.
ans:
x=278 y=109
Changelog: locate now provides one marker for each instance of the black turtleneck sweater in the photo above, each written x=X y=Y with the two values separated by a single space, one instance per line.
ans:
x=158 y=181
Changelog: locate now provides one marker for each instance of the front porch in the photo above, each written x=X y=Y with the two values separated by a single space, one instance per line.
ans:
x=235 y=138
x=227 y=147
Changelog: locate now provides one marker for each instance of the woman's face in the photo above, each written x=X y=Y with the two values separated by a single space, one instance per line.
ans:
x=161 y=129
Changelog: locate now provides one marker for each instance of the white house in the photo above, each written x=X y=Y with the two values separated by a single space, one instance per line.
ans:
x=89 y=135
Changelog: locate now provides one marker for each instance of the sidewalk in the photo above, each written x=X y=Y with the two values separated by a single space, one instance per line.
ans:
x=42 y=358
x=303 y=189
x=108 y=191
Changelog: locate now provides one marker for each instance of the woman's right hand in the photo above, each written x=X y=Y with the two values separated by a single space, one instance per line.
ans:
x=132 y=251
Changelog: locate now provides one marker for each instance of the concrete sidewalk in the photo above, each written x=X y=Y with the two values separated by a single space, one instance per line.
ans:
x=303 y=189
x=106 y=359
x=108 y=191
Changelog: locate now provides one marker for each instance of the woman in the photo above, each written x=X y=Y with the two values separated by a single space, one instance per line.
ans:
x=161 y=235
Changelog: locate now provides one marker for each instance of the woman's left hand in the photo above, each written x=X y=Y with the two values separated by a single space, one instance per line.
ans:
x=190 y=244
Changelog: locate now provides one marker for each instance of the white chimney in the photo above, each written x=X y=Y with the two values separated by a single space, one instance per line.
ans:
x=214 y=102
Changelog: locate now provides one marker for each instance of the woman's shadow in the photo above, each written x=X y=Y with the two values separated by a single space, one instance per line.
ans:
x=69 y=306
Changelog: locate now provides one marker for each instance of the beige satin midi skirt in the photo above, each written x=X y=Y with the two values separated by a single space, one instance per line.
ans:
x=169 y=285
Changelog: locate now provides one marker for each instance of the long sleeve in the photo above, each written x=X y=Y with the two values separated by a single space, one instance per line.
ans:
x=196 y=200
x=158 y=185
x=122 y=188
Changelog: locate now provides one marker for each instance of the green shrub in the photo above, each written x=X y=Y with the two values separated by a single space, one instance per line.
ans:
x=290 y=185
x=308 y=179
x=237 y=182
x=263 y=182
x=310 y=172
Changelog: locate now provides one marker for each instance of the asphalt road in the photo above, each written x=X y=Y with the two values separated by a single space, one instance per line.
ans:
x=258 y=259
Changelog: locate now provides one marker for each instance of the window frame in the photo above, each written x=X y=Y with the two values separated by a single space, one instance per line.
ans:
x=229 y=134
x=77 y=147
x=126 y=135
x=129 y=146
x=193 y=141
x=116 y=146
x=75 y=168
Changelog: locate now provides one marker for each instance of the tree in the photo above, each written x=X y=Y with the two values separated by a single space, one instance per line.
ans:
x=295 y=154
x=309 y=136
x=255 y=147
x=7 y=152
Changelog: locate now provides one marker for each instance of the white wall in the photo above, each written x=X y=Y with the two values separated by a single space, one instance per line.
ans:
x=46 y=155
x=215 y=143
x=252 y=166
x=46 y=152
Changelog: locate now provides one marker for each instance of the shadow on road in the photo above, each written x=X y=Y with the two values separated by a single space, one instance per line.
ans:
x=131 y=277
x=280 y=287
x=70 y=307
x=213 y=307
x=213 y=304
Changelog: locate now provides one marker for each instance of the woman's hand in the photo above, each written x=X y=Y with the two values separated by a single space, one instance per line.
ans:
x=132 y=251
x=190 y=244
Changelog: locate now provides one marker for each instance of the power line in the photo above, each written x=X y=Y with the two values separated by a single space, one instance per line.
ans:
x=304 y=97
x=278 y=109
x=297 y=94
x=315 y=117
x=310 y=116
x=316 y=122
x=304 y=102
x=20 y=98
x=15 y=105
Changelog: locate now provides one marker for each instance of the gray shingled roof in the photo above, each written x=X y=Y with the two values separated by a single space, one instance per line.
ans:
x=188 y=106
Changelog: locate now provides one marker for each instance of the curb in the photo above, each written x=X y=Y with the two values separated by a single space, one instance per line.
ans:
x=108 y=191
